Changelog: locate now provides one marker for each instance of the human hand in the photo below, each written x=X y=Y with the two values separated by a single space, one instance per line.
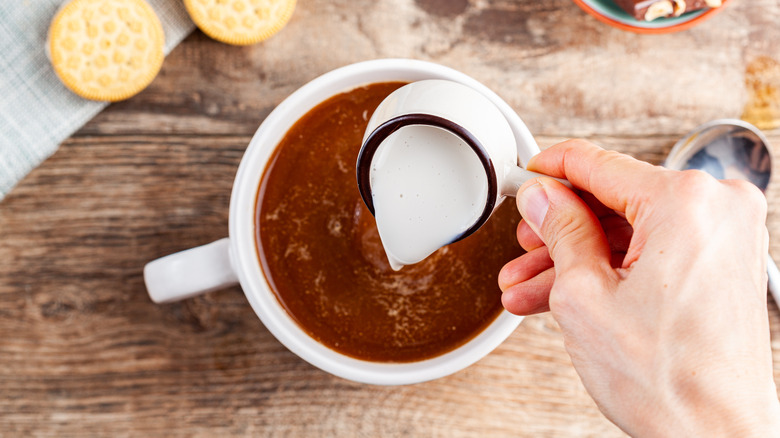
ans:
x=657 y=279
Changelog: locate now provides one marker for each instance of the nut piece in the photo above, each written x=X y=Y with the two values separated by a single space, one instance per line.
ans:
x=659 y=9
x=679 y=7
x=714 y=3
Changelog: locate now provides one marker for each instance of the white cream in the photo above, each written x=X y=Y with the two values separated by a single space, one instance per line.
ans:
x=428 y=187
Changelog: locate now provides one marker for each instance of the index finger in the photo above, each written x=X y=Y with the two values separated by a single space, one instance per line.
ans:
x=617 y=180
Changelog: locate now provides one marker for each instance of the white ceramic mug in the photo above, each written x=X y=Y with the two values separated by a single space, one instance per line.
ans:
x=235 y=259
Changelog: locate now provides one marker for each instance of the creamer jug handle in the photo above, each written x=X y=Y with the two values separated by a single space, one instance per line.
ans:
x=515 y=176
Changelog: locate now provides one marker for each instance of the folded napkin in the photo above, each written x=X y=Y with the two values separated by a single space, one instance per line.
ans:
x=37 y=112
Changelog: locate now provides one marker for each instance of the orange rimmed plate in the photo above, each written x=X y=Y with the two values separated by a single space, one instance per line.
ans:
x=610 y=13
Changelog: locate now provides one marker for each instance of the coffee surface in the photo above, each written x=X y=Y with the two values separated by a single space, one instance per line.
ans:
x=322 y=256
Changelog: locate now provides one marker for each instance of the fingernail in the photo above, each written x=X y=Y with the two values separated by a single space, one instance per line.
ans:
x=533 y=204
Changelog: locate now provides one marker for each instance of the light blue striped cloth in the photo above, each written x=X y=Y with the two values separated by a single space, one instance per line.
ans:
x=37 y=112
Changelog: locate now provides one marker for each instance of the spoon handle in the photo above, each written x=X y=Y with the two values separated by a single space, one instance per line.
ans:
x=774 y=279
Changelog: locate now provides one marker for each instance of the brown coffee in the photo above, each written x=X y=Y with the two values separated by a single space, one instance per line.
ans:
x=322 y=256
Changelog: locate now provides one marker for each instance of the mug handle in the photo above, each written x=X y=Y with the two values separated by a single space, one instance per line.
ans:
x=515 y=176
x=191 y=272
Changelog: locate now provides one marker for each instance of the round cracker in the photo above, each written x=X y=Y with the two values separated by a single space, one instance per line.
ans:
x=240 y=22
x=106 y=50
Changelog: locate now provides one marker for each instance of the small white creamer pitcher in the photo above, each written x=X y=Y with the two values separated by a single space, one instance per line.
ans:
x=437 y=159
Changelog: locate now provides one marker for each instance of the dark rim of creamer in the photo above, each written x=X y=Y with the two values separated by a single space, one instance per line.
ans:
x=387 y=128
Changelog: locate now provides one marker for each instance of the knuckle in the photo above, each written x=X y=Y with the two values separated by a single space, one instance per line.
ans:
x=557 y=227
x=740 y=185
x=612 y=155
x=701 y=199
x=751 y=198
x=575 y=143
x=564 y=232
x=694 y=184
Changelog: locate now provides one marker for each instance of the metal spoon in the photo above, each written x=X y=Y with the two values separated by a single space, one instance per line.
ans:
x=729 y=149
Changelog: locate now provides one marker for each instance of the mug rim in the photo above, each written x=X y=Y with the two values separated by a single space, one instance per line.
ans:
x=244 y=254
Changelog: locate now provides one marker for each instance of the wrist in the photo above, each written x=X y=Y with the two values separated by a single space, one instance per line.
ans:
x=745 y=415
x=713 y=413
x=762 y=421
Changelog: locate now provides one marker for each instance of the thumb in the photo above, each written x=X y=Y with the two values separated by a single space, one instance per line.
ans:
x=569 y=229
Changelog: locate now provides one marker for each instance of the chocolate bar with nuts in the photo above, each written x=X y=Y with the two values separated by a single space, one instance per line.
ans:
x=648 y=10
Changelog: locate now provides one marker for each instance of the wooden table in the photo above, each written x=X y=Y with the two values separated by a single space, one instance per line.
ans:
x=85 y=352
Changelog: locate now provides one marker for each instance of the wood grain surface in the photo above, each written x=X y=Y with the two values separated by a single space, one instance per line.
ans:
x=84 y=352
